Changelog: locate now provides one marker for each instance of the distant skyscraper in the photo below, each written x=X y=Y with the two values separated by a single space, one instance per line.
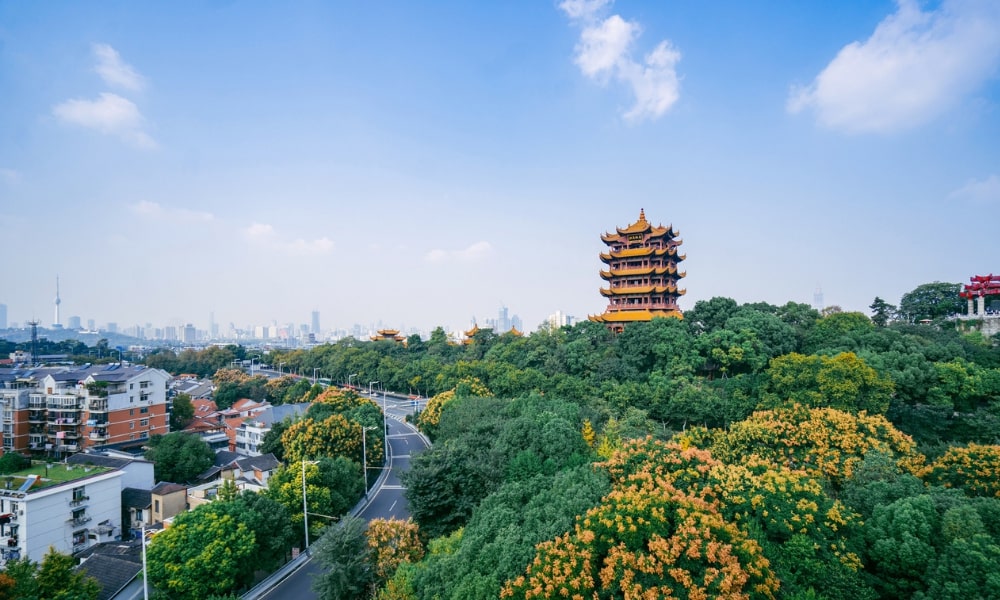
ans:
x=818 y=298
x=112 y=327
x=170 y=333
x=57 y=324
x=190 y=334
x=3 y=316
x=213 y=331
x=90 y=325
x=503 y=321
x=315 y=322
x=74 y=323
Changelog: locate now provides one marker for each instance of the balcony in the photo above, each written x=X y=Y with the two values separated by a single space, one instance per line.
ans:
x=98 y=436
x=68 y=405
x=36 y=416
x=79 y=501
x=98 y=405
x=63 y=421
x=79 y=520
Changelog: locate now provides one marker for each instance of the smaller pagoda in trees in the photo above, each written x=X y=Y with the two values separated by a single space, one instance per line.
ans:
x=641 y=274
x=391 y=335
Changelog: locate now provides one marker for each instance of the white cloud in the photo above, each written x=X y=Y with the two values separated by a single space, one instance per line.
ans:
x=604 y=46
x=915 y=66
x=475 y=252
x=180 y=215
x=114 y=71
x=583 y=9
x=604 y=52
x=109 y=114
x=265 y=234
x=986 y=191
x=259 y=231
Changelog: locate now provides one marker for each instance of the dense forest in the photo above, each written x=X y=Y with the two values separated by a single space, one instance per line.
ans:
x=746 y=451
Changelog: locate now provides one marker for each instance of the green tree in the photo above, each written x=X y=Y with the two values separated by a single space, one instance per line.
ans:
x=181 y=412
x=844 y=382
x=344 y=553
x=179 y=457
x=205 y=551
x=333 y=486
x=882 y=312
x=57 y=579
x=931 y=301
x=54 y=579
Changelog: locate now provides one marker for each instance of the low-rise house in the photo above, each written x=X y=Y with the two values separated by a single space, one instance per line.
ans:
x=169 y=500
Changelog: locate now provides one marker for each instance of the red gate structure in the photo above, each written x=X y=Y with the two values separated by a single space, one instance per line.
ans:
x=980 y=287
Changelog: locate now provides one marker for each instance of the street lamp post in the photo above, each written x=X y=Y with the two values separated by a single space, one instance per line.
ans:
x=257 y=356
x=385 y=428
x=281 y=365
x=349 y=377
x=385 y=422
x=145 y=584
x=314 y=374
x=364 y=454
x=305 y=509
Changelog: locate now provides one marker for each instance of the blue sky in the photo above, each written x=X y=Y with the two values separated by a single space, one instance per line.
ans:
x=421 y=163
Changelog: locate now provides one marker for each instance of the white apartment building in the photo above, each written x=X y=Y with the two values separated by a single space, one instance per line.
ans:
x=37 y=513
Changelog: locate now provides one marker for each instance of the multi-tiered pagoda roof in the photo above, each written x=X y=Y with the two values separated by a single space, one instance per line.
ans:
x=641 y=274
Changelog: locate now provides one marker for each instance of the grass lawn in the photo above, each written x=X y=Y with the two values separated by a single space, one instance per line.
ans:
x=56 y=474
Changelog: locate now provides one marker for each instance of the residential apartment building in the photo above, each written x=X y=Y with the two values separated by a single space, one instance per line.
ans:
x=56 y=411
x=250 y=432
x=75 y=507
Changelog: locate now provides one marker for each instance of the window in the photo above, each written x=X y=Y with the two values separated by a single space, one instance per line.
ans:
x=131 y=412
x=144 y=435
x=143 y=422
x=156 y=506
x=131 y=424
x=131 y=386
x=131 y=436
x=143 y=410
x=131 y=398
x=138 y=514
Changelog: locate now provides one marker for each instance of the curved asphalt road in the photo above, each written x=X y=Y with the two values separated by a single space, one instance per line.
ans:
x=386 y=501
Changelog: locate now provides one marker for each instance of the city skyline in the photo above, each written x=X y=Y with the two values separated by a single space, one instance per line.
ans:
x=422 y=165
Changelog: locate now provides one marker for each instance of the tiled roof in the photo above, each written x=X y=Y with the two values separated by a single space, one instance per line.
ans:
x=165 y=487
x=111 y=572
x=136 y=498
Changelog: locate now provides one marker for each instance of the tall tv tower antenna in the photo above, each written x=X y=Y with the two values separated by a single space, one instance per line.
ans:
x=57 y=324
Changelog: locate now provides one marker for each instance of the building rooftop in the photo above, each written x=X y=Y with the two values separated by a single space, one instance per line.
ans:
x=136 y=498
x=43 y=475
